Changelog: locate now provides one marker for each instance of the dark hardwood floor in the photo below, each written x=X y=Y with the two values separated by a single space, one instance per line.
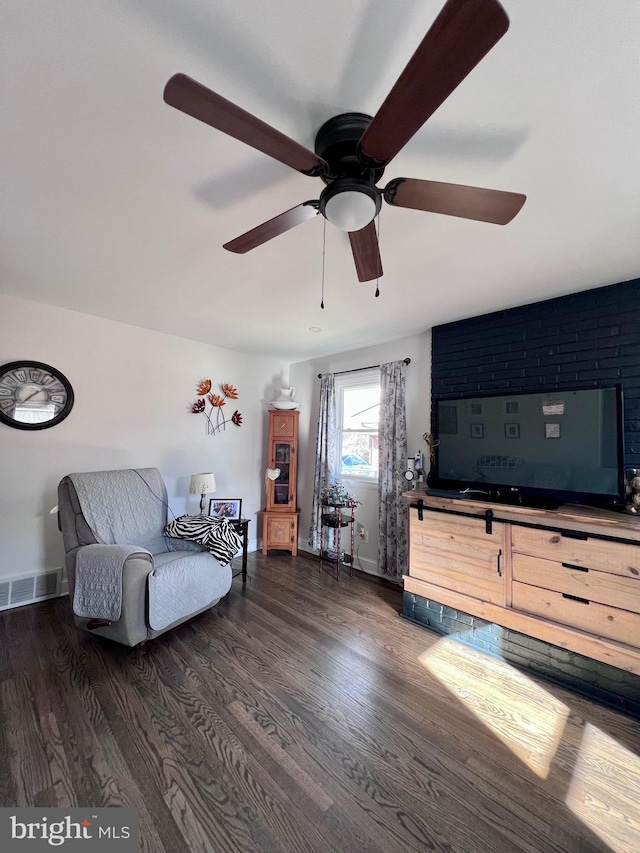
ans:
x=302 y=714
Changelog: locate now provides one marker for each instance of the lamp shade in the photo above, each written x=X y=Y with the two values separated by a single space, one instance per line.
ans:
x=202 y=484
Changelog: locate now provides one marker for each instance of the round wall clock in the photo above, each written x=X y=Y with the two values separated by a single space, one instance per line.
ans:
x=33 y=395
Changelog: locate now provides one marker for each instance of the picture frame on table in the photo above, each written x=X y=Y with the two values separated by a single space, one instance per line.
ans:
x=229 y=508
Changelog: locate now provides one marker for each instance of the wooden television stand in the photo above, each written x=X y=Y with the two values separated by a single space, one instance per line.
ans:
x=569 y=577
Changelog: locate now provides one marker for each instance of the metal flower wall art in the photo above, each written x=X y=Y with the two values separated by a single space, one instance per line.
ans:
x=219 y=421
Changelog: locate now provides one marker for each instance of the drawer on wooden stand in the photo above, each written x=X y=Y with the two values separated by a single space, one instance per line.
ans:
x=606 y=555
x=601 y=587
x=622 y=626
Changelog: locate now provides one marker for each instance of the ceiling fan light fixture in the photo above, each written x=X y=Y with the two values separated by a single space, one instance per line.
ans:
x=350 y=210
x=350 y=204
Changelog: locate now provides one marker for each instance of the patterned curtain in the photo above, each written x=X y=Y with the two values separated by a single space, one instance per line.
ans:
x=393 y=511
x=325 y=452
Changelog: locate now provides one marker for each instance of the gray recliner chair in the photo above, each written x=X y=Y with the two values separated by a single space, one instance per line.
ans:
x=127 y=581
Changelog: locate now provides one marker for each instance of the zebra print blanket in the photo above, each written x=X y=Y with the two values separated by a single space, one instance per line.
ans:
x=216 y=534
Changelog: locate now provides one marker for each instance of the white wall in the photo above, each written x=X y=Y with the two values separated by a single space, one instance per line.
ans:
x=304 y=376
x=133 y=391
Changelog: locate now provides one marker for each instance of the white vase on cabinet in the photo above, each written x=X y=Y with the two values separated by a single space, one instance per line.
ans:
x=285 y=400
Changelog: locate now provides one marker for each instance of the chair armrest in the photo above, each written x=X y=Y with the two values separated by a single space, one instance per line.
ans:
x=132 y=627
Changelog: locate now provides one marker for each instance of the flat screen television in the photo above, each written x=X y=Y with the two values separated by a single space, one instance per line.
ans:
x=549 y=447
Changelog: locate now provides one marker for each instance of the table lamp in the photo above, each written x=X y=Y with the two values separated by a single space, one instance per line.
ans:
x=202 y=484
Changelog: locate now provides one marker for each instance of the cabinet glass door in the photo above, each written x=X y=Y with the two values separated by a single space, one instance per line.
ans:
x=281 y=486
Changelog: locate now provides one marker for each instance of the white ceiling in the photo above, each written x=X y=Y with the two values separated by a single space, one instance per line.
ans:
x=115 y=204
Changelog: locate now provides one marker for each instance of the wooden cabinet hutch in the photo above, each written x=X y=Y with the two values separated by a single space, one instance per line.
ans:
x=280 y=517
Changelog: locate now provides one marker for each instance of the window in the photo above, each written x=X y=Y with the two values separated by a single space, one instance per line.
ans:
x=358 y=410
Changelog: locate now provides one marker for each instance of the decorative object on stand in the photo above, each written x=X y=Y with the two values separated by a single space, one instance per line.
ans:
x=352 y=150
x=202 y=484
x=33 y=395
x=410 y=473
x=414 y=472
x=432 y=443
x=230 y=508
x=285 y=401
x=337 y=495
x=216 y=401
x=633 y=491
x=418 y=466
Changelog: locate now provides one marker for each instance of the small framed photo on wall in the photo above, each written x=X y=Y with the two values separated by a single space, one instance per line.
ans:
x=511 y=407
x=552 y=430
x=512 y=430
x=477 y=430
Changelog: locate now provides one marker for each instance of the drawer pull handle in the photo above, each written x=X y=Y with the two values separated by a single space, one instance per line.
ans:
x=499 y=555
x=572 y=566
x=575 y=598
x=420 y=510
x=573 y=534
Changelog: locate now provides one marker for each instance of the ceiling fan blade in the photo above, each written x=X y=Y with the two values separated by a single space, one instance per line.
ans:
x=454 y=200
x=462 y=34
x=366 y=252
x=272 y=228
x=196 y=100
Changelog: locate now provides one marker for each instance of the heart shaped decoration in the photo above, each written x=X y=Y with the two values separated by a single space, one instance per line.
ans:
x=273 y=473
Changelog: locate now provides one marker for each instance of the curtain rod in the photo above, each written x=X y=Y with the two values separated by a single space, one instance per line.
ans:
x=356 y=369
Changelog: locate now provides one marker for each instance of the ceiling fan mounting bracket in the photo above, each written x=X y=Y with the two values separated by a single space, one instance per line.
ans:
x=391 y=189
x=370 y=162
x=316 y=172
x=337 y=144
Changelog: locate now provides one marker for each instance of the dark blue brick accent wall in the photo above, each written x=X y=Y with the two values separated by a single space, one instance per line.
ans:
x=606 y=684
x=587 y=339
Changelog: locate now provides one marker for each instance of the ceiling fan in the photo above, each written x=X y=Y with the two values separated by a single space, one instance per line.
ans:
x=352 y=150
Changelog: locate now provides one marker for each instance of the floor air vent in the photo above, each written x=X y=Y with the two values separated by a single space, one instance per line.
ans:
x=18 y=591
x=46 y=584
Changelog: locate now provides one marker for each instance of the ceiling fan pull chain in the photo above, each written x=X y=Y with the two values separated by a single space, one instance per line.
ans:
x=377 y=293
x=324 y=246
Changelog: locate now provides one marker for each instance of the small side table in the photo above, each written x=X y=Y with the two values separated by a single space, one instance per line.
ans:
x=241 y=526
x=334 y=517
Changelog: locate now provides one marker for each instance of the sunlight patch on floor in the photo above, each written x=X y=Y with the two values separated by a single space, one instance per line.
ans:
x=527 y=719
x=605 y=790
